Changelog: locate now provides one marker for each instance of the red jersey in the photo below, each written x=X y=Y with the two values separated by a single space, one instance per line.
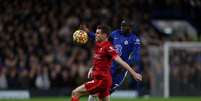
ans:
x=102 y=59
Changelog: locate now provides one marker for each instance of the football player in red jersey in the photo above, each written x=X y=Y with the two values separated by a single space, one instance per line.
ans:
x=101 y=81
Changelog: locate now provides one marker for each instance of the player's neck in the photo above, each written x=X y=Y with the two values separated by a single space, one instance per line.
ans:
x=105 y=40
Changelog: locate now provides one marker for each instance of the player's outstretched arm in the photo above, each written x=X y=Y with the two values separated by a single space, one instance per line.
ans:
x=135 y=75
x=86 y=29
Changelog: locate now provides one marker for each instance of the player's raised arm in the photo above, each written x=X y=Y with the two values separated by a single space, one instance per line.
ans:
x=135 y=75
x=86 y=29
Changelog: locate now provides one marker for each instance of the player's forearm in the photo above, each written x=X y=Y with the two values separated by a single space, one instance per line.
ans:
x=125 y=65
x=91 y=35
x=135 y=75
x=86 y=29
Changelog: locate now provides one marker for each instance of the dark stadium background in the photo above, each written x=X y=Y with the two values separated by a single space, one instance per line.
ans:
x=36 y=49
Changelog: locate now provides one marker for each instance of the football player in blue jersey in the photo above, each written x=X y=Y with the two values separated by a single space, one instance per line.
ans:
x=128 y=45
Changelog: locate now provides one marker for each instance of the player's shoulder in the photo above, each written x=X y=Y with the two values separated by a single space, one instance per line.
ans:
x=115 y=32
x=135 y=38
x=107 y=45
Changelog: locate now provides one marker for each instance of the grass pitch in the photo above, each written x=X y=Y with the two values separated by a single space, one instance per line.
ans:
x=112 y=99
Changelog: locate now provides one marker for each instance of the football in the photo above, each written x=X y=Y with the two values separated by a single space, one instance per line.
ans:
x=80 y=37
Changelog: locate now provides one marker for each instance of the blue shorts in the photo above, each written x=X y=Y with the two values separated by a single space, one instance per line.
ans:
x=117 y=80
x=118 y=76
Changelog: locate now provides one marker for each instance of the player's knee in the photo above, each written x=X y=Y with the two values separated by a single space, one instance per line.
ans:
x=75 y=93
x=92 y=98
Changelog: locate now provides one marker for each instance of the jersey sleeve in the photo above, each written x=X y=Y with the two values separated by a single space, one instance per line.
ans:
x=112 y=52
x=91 y=35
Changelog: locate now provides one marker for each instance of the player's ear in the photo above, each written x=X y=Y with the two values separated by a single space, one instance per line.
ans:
x=106 y=35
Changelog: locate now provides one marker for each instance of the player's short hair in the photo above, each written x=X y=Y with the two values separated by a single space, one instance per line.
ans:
x=104 y=28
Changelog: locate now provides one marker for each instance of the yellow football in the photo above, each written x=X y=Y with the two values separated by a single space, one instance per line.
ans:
x=80 y=37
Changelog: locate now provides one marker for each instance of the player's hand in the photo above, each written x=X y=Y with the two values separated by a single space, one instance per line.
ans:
x=84 y=28
x=137 y=77
x=89 y=75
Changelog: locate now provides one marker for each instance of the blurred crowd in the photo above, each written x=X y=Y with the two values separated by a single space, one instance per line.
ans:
x=185 y=71
x=36 y=49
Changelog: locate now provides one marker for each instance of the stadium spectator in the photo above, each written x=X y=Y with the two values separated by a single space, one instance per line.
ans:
x=34 y=34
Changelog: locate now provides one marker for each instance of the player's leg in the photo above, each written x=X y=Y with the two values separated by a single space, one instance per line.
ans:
x=92 y=97
x=104 y=95
x=137 y=85
x=140 y=88
x=106 y=98
x=79 y=91
x=93 y=87
x=117 y=80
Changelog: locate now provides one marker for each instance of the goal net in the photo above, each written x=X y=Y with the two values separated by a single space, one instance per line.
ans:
x=176 y=69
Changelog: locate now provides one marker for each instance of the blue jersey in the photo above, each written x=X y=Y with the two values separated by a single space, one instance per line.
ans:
x=128 y=47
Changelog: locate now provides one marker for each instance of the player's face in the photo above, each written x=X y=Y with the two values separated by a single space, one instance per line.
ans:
x=125 y=28
x=99 y=35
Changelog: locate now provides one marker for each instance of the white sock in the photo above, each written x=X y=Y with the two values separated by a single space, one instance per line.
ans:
x=92 y=98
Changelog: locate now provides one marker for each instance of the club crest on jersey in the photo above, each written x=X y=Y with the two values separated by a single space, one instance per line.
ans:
x=126 y=42
x=100 y=49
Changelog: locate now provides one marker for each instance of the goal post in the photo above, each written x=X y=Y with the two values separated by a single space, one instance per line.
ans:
x=168 y=46
x=166 y=69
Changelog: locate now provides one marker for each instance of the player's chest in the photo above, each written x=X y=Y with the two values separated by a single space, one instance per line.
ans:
x=100 y=53
x=123 y=41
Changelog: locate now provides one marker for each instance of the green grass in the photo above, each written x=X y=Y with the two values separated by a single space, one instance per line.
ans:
x=113 y=99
